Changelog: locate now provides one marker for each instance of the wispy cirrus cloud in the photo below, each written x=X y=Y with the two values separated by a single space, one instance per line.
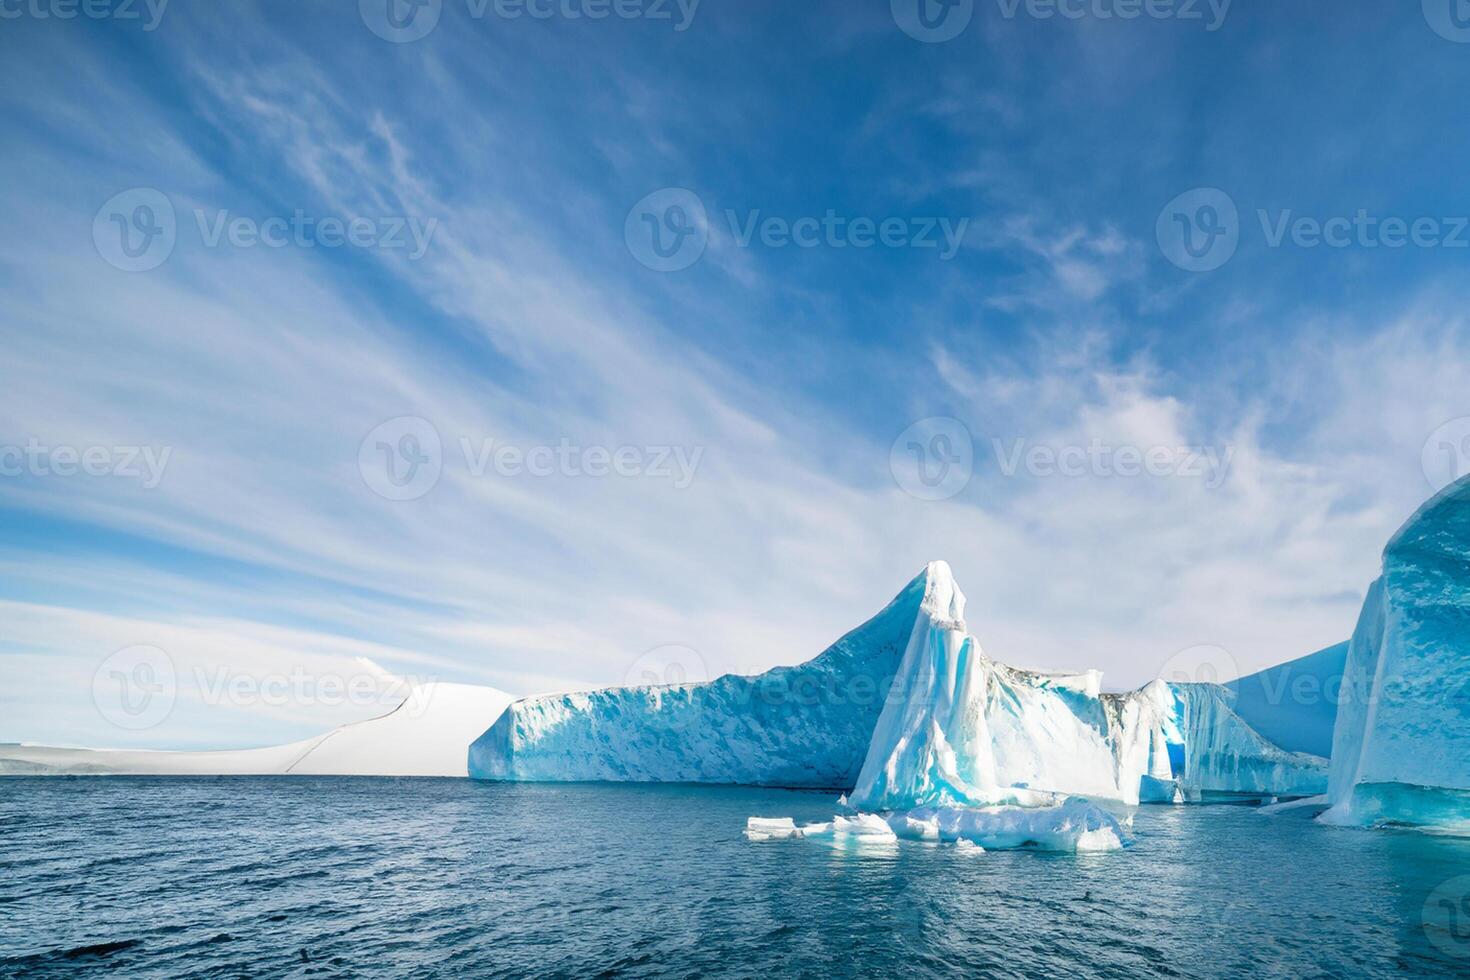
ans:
x=527 y=322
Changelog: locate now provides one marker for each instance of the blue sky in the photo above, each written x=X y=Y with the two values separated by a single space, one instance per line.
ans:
x=521 y=150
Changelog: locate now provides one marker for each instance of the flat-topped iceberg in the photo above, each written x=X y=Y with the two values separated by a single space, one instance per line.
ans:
x=907 y=711
x=1401 y=746
x=802 y=727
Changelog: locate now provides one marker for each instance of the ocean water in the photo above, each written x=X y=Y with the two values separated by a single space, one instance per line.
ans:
x=305 y=877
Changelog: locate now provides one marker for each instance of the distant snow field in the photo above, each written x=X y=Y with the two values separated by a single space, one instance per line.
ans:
x=428 y=734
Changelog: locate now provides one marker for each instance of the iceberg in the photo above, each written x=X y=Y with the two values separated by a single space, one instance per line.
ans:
x=805 y=727
x=961 y=730
x=1294 y=704
x=939 y=726
x=966 y=731
x=1226 y=758
x=1399 y=750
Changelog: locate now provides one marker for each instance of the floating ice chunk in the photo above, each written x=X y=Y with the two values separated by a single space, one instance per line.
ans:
x=909 y=828
x=1073 y=825
x=776 y=828
x=968 y=847
x=1308 y=806
x=862 y=825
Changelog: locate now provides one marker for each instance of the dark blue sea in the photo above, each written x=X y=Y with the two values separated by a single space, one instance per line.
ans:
x=304 y=877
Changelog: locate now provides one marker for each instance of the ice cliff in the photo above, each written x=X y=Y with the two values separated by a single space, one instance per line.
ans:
x=1399 y=751
x=806 y=726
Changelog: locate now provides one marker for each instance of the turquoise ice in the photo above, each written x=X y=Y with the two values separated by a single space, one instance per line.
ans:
x=907 y=711
x=1401 y=746
x=806 y=726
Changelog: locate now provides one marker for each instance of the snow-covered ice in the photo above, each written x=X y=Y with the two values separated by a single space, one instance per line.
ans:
x=425 y=735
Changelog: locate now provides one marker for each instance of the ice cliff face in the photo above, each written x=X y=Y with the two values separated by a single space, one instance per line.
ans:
x=806 y=726
x=962 y=730
x=1399 y=752
x=1225 y=757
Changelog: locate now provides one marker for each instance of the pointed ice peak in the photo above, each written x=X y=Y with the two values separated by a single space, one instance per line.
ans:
x=943 y=600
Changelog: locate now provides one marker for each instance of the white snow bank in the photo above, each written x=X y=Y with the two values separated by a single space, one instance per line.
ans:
x=428 y=734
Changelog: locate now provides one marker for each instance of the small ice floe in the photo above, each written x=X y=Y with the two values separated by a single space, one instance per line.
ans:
x=1308 y=806
x=777 y=828
x=1073 y=825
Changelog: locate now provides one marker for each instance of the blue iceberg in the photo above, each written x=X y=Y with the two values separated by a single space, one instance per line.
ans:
x=1399 y=753
x=801 y=727
x=934 y=739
